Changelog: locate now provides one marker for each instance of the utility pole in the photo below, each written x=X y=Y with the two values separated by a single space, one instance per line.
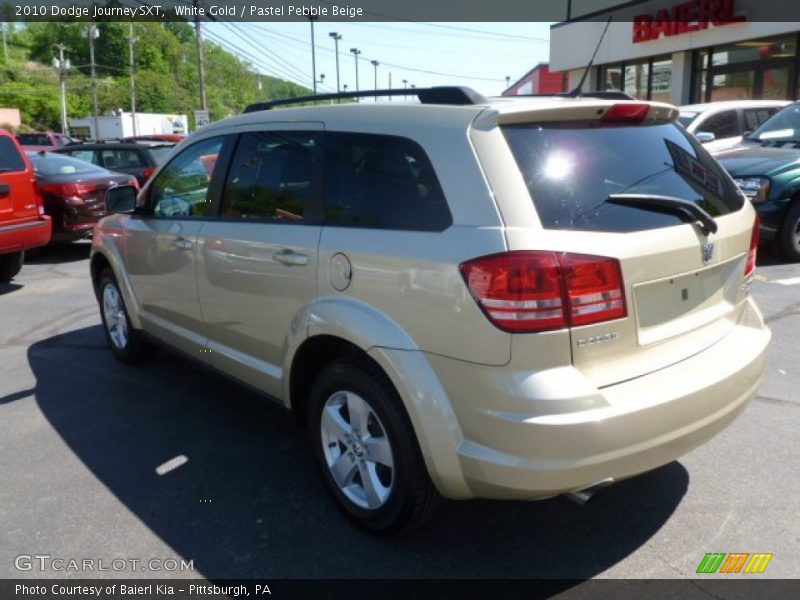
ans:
x=405 y=87
x=201 y=63
x=336 y=37
x=93 y=33
x=131 y=40
x=356 y=52
x=62 y=65
x=313 y=55
x=390 y=84
x=375 y=64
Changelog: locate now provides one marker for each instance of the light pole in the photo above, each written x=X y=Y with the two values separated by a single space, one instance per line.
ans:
x=356 y=52
x=375 y=64
x=405 y=87
x=93 y=33
x=131 y=40
x=508 y=81
x=62 y=65
x=201 y=63
x=313 y=55
x=336 y=37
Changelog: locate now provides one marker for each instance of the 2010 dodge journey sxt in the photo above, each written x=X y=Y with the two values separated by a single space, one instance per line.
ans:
x=462 y=297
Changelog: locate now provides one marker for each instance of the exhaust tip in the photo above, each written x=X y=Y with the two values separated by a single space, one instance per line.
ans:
x=583 y=495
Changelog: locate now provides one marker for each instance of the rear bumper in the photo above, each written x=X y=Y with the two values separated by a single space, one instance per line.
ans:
x=22 y=236
x=74 y=232
x=570 y=441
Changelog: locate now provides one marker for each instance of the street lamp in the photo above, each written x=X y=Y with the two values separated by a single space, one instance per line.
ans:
x=375 y=64
x=405 y=87
x=93 y=33
x=356 y=52
x=336 y=37
x=313 y=55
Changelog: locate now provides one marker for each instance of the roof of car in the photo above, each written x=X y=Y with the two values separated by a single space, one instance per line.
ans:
x=112 y=145
x=723 y=104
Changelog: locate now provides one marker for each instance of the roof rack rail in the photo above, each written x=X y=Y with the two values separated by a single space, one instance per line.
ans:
x=433 y=95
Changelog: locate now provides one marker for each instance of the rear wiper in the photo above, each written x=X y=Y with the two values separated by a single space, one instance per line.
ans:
x=709 y=225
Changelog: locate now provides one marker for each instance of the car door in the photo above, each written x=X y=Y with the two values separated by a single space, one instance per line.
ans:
x=258 y=261
x=17 y=195
x=161 y=245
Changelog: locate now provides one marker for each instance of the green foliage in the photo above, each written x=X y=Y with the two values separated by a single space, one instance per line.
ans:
x=166 y=73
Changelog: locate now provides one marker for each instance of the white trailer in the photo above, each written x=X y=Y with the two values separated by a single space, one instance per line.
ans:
x=121 y=125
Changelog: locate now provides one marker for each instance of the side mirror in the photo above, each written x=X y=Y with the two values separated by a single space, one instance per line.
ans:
x=121 y=199
x=705 y=136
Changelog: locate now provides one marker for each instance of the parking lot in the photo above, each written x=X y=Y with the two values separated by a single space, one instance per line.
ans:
x=82 y=436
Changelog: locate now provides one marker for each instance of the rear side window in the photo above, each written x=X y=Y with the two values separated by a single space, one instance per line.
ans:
x=571 y=168
x=271 y=176
x=722 y=125
x=160 y=154
x=381 y=182
x=34 y=139
x=87 y=155
x=10 y=160
x=122 y=159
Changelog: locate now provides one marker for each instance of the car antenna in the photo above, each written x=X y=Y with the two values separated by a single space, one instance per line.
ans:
x=579 y=88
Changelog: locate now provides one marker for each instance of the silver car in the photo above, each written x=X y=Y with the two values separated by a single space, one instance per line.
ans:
x=459 y=298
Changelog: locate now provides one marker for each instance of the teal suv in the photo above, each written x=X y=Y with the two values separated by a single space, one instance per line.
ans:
x=766 y=166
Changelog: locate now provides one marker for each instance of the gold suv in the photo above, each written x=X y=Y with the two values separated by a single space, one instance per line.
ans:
x=462 y=297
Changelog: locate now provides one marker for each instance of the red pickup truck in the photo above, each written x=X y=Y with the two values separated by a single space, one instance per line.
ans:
x=23 y=223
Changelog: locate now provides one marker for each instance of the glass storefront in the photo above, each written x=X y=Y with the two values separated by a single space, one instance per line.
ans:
x=647 y=79
x=763 y=68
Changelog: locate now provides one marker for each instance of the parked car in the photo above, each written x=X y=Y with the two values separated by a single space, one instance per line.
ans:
x=723 y=123
x=766 y=166
x=43 y=140
x=23 y=224
x=139 y=159
x=74 y=192
x=460 y=298
x=175 y=138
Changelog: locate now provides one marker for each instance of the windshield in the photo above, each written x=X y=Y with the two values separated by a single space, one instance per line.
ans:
x=47 y=163
x=783 y=126
x=571 y=169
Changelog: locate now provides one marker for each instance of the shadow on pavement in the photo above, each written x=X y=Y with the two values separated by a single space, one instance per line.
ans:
x=8 y=287
x=59 y=253
x=249 y=503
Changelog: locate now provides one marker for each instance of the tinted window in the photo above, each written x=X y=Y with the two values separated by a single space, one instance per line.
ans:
x=181 y=189
x=87 y=155
x=572 y=168
x=51 y=164
x=754 y=117
x=686 y=119
x=160 y=154
x=34 y=139
x=270 y=176
x=381 y=181
x=122 y=159
x=10 y=160
x=722 y=125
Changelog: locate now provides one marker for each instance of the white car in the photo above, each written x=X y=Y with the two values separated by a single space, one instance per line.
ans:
x=723 y=123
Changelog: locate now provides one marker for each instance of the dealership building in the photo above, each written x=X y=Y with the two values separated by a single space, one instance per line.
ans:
x=681 y=51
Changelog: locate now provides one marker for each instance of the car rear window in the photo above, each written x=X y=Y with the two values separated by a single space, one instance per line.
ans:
x=50 y=164
x=10 y=160
x=34 y=139
x=571 y=169
x=160 y=154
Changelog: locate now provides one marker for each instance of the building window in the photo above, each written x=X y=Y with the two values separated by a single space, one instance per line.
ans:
x=646 y=80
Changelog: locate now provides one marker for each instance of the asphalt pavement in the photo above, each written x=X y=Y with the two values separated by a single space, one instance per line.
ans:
x=82 y=438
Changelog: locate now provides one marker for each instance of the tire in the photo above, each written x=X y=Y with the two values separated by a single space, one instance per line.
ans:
x=126 y=343
x=789 y=235
x=355 y=414
x=10 y=264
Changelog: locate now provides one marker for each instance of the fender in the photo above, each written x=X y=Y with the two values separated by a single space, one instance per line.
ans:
x=423 y=395
x=105 y=242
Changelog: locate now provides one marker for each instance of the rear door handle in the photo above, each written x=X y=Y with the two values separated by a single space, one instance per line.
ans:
x=290 y=258
x=182 y=244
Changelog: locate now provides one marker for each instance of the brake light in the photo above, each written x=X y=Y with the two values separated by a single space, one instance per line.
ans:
x=630 y=112
x=751 y=256
x=539 y=291
x=148 y=171
x=68 y=189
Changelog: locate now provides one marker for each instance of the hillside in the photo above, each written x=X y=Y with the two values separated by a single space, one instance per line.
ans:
x=166 y=73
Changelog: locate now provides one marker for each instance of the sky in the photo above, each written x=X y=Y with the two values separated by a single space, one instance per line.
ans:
x=477 y=55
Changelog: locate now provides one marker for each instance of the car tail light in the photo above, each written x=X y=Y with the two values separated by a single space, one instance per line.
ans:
x=751 y=256
x=68 y=189
x=538 y=291
x=630 y=112
x=148 y=172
